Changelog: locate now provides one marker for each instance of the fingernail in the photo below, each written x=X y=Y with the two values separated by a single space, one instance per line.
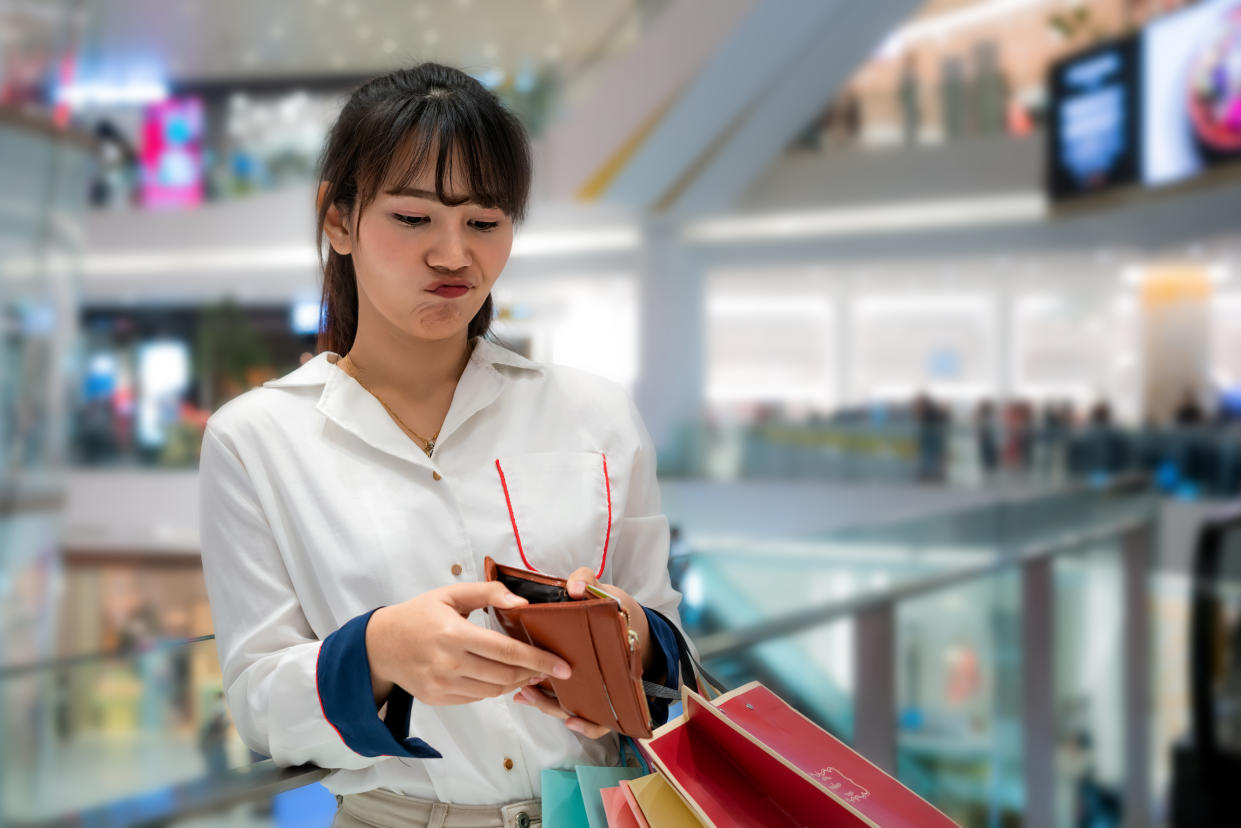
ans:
x=537 y=680
x=562 y=671
x=512 y=600
x=575 y=726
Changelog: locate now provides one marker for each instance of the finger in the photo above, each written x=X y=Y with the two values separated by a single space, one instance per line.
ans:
x=473 y=689
x=495 y=672
x=536 y=698
x=446 y=700
x=465 y=598
x=578 y=580
x=499 y=647
x=588 y=729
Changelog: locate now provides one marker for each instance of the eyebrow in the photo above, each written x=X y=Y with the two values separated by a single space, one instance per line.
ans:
x=427 y=194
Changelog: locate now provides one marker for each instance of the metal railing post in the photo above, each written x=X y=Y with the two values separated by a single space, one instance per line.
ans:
x=1136 y=548
x=874 y=697
x=1038 y=689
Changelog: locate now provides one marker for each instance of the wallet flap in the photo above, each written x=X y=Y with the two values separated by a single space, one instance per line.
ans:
x=592 y=636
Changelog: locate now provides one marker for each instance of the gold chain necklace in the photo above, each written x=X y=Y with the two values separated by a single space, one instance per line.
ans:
x=428 y=445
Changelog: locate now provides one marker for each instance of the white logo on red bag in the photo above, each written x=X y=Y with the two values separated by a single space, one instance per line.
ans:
x=841 y=785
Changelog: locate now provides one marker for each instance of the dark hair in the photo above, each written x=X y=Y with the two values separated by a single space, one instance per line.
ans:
x=387 y=131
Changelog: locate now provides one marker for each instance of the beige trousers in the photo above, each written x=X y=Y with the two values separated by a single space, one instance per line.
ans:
x=385 y=809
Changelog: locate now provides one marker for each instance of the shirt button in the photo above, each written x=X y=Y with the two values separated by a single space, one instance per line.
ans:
x=456 y=569
x=435 y=475
x=523 y=820
x=508 y=764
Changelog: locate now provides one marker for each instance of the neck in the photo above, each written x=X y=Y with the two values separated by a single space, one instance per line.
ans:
x=408 y=368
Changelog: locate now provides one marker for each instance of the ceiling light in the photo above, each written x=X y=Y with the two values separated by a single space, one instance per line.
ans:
x=104 y=94
x=886 y=218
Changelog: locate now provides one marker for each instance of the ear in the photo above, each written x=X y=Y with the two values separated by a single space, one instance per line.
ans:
x=334 y=224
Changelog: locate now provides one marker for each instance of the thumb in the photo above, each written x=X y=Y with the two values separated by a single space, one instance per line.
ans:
x=465 y=598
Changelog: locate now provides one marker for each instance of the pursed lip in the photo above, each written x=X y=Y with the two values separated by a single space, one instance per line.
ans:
x=452 y=284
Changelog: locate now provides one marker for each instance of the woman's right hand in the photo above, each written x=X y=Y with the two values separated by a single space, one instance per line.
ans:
x=428 y=646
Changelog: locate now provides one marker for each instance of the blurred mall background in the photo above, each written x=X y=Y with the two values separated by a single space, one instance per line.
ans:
x=933 y=310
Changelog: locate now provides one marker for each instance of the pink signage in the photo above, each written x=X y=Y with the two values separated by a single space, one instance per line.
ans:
x=172 y=153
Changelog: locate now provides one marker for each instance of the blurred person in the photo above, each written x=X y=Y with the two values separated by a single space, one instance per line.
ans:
x=930 y=425
x=213 y=737
x=347 y=507
x=909 y=96
x=1189 y=411
x=987 y=434
x=1054 y=436
x=114 y=183
x=1095 y=805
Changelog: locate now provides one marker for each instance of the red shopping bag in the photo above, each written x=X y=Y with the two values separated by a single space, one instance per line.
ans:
x=750 y=759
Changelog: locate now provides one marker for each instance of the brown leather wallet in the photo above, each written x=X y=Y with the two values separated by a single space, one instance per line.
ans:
x=592 y=635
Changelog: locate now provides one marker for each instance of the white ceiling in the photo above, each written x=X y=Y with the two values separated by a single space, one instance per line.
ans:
x=204 y=40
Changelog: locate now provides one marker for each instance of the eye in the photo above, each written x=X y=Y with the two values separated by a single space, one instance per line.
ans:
x=486 y=226
x=412 y=221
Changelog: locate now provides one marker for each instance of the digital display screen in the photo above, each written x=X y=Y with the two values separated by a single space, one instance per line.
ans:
x=1192 y=95
x=172 y=153
x=1093 y=129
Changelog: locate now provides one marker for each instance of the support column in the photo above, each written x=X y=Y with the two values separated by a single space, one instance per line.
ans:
x=671 y=336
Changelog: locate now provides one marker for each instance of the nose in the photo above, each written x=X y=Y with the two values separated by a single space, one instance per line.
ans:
x=448 y=250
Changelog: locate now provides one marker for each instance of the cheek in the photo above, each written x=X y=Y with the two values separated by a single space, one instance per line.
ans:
x=495 y=255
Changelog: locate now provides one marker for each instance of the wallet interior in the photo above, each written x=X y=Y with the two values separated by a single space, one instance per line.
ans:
x=533 y=591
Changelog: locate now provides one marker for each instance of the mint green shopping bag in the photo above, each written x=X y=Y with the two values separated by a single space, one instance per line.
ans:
x=571 y=797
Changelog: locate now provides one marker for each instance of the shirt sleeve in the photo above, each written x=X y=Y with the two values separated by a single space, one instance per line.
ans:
x=641 y=562
x=292 y=697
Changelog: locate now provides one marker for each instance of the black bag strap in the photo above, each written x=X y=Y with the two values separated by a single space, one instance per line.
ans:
x=692 y=671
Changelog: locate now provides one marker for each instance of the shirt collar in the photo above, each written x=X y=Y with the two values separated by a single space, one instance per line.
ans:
x=345 y=402
x=317 y=371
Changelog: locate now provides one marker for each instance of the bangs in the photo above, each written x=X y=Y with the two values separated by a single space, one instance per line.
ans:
x=484 y=152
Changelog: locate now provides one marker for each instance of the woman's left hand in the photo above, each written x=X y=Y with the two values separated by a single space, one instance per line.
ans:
x=539 y=700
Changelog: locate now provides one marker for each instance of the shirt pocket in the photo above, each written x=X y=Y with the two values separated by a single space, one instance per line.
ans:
x=559 y=508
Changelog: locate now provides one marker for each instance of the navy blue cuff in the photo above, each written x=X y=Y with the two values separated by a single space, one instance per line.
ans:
x=670 y=675
x=343 y=676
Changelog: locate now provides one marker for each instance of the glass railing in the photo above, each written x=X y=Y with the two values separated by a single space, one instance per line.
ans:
x=1191 y=461
x=924 y=644
x=928 y=644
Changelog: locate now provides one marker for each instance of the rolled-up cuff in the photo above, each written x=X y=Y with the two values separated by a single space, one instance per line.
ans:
x=343 y=678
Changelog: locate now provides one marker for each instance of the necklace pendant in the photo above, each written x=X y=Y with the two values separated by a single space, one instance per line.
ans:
x=430 y=447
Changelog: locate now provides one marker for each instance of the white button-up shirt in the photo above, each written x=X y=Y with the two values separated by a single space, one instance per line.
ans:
x=317 y=508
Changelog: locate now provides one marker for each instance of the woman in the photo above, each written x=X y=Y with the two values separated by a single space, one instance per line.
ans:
x=347 y=507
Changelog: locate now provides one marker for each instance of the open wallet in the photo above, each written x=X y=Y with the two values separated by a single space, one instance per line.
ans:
x=593 y=635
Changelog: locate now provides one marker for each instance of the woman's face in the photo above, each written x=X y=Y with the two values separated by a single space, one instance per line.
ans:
x=424 y=268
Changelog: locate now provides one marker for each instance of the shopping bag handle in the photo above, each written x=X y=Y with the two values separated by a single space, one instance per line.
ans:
x=703 y=682
x=627 y=744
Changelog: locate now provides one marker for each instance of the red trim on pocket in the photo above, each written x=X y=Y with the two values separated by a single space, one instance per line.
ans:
x=513 y=518
x=607 y=487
